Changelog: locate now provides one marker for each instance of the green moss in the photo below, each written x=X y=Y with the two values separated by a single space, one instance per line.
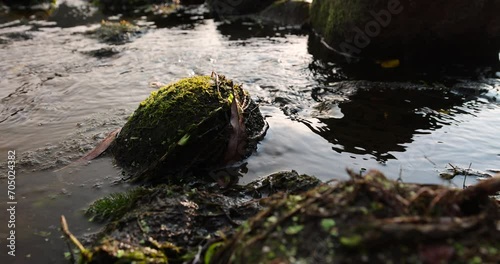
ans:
x=115 y=205
x=112 y=251
x=179 y=128
x=334 y=19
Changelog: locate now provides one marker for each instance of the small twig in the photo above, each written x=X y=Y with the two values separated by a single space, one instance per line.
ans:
x=400 y=177
x=484 y=188
x=73 y=239
x=454 y=168
x=465 y=176
x=214 y=74
x=429 y=160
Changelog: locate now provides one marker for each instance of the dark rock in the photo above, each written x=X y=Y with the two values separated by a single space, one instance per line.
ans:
x=411 y=30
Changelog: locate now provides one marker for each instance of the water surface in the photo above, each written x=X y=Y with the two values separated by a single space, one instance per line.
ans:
x=57 y=102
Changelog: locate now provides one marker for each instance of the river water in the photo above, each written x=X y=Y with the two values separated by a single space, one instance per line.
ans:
x=57 y=101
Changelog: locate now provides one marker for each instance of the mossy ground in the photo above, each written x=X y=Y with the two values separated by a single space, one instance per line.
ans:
x=168 y=223
x=366 y=219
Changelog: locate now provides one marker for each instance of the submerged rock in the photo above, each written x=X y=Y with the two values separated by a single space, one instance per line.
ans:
x=115 y=32
x=196 y=124
x=410 y=30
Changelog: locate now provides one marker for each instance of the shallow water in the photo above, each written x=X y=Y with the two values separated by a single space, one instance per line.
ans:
x=57 y=102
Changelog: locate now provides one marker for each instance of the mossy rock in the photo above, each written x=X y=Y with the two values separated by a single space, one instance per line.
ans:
x=409 y=30
x=115 y=32
x=194 y=125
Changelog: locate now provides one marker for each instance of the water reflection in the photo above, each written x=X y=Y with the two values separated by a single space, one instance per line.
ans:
x=187 y=17
x=379 y=121
x=248 y=29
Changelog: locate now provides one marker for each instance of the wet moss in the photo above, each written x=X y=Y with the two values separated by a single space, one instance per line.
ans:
x=335 y=19
x=115 y=205
x=185 y=127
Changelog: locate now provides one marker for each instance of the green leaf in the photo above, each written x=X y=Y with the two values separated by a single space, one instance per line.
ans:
x=293 y=230
x=327 y=224
x=351 y=241
x=183 y=140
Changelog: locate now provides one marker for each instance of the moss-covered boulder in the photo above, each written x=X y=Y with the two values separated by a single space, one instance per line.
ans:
x=237 y=7
x=370 y=219
x=409 y=30
x=194 y=125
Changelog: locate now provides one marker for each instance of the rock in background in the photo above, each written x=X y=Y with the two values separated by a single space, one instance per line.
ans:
x=413 y=30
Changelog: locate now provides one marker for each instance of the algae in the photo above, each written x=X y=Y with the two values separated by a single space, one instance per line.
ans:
x=115 y=205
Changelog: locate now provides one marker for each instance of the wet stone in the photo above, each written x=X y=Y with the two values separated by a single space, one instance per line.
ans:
x=188 y=128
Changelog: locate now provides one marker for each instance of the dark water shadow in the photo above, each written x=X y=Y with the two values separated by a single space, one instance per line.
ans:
x=185 y=17
x=245 y=29
x=378 y=121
